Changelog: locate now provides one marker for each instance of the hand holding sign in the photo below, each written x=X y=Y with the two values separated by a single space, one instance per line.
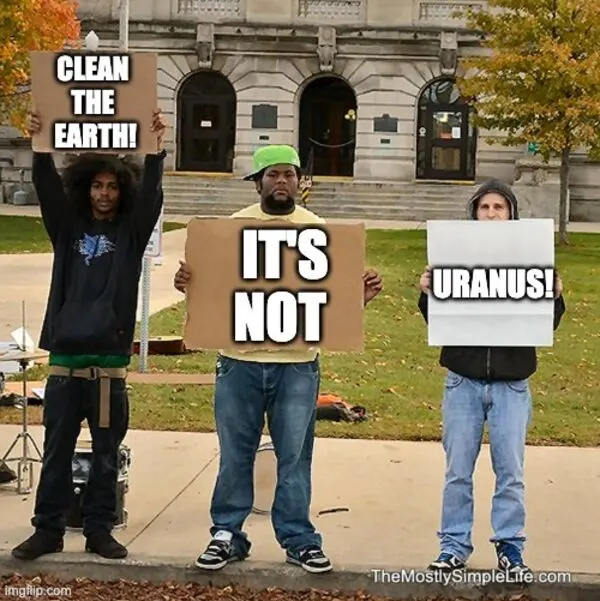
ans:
x=373 y=285
x=425 y=281
x=159 y=126
x=182 y=277
x=34 y=124
x=99 y=102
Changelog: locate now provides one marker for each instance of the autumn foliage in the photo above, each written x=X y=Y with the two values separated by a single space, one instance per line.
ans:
x=540 y=81
x=27 y=25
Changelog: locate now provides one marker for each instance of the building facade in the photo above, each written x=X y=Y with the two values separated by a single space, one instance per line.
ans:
x=363 y=88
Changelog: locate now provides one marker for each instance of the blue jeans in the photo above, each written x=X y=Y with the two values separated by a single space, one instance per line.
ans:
x=467 y=405
x=287 y=393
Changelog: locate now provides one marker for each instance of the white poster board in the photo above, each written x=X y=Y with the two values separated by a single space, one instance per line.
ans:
x=490 y=244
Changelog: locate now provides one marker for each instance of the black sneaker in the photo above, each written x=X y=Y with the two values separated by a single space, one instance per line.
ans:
x=510 y=561
x=6 y=474
x=103 y=544
x=447 y=562
x=36 y=545
x=218 y=553
x=312 y=559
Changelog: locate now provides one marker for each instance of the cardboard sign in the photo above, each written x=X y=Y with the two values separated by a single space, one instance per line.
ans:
x=94 y=102
x=271 y=284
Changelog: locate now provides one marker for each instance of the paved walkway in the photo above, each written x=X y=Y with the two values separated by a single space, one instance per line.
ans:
x=390 y=493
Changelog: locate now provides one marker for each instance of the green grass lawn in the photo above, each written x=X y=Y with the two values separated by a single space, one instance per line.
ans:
x=24 y=234
x=397 y=378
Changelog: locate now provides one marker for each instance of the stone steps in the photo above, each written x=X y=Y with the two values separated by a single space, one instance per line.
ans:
x=189 y=195
x=398 y=213
x=325 y=195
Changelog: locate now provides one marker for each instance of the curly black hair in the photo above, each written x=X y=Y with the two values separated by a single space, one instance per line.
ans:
x=80 y=170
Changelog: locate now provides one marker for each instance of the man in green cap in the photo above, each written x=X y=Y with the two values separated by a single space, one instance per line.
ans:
x=284 y=384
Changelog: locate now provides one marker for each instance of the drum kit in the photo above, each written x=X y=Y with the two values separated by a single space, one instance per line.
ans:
x=22 y=356
x=25 y=460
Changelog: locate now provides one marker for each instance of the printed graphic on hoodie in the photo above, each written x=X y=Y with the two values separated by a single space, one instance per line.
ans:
x=91 y=247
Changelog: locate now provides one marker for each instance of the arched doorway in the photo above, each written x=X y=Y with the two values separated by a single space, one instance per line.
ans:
x=206 y=110
x=446 y=137
x=327 y=127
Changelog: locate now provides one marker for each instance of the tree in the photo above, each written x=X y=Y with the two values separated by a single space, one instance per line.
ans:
x=27 y=25
x=539 y=81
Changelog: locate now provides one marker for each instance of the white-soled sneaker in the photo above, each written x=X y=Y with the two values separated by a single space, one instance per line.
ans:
x=219 y=552
x=312 y=559
x=447 y=562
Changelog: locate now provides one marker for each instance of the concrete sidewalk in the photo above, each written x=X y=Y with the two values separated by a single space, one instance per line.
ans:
x=389 y=494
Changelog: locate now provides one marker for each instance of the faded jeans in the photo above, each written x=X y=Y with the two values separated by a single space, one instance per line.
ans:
x=287 y=393
x=507 y=408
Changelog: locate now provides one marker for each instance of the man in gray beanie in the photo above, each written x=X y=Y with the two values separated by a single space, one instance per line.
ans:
x=486 y=384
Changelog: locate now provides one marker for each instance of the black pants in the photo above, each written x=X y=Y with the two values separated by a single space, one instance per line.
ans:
x=67 y=402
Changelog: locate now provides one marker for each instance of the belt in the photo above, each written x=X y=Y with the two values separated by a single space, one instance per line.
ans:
x=104 y=374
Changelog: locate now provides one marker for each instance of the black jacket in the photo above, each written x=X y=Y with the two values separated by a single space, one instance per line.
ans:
x=93 y=295
x=498 y=363
x=491 y=363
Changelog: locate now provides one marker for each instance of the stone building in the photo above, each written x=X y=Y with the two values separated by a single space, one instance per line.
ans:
x=364 y=89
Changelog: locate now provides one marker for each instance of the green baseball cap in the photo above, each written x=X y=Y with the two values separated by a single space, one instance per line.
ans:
x=267 y=156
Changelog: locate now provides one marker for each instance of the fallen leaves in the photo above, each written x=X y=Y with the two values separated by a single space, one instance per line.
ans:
x=83 y=589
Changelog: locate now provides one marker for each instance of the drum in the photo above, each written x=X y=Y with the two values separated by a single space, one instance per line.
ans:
x=265 y=479
x=81 y=465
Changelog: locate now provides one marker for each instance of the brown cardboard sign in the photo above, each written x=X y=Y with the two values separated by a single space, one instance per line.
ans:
x=270 y=284
x=94 y=101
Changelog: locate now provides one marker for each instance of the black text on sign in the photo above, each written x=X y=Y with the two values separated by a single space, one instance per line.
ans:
x=93 y=102
x=281 y=316
x=498 y=283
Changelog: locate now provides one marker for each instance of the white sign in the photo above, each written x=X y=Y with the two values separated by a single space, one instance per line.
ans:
x=154 y=248
x=492 y=283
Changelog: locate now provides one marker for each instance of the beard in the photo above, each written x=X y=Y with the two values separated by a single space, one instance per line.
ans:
x=275 y=206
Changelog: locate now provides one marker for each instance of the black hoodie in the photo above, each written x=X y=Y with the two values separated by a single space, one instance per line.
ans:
x=93 y=294
x=492 y=363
